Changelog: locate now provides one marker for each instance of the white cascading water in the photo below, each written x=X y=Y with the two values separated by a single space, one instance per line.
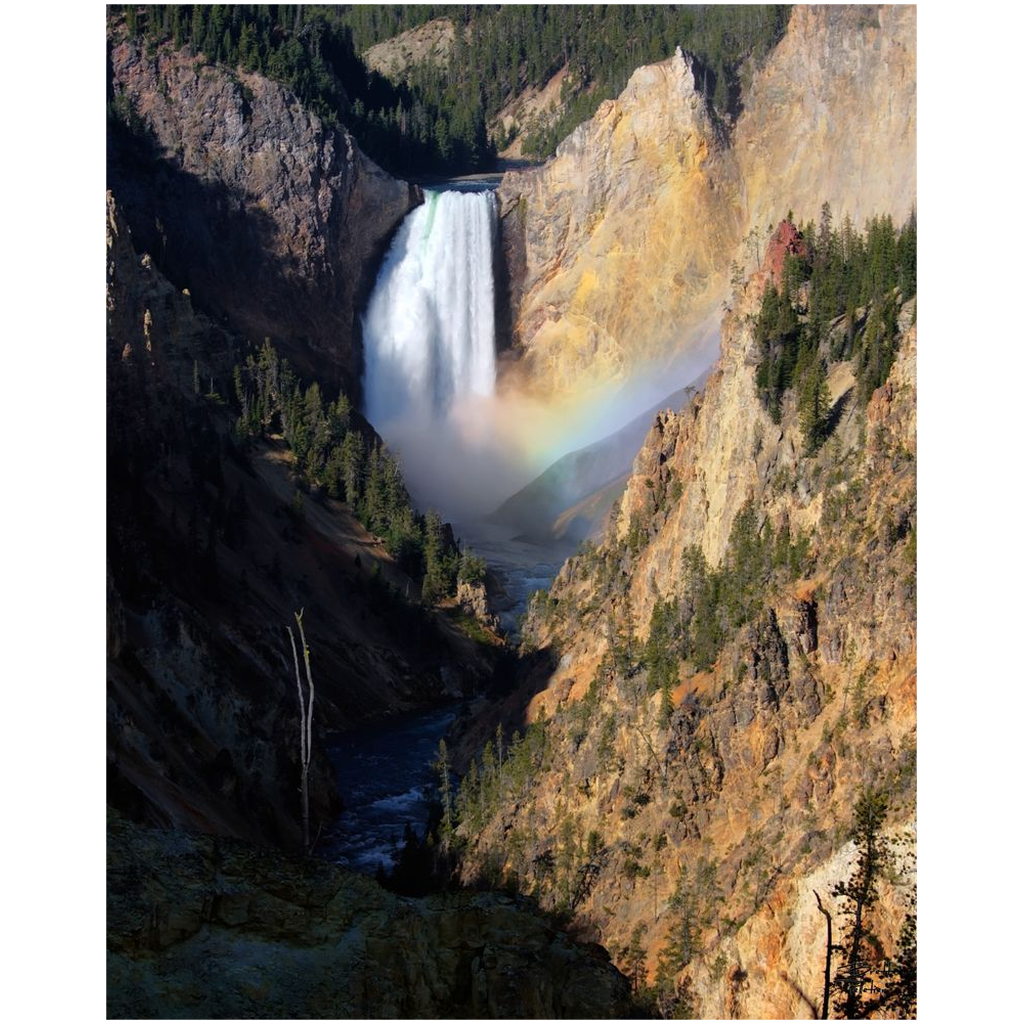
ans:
x=428 y=332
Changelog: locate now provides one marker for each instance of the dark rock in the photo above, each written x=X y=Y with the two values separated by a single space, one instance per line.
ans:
x=274 y=221
x=204 y=927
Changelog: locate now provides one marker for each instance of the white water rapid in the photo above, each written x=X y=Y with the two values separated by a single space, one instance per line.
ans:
x=428 y=332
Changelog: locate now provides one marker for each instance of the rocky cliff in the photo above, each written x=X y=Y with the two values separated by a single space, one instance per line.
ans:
x=690 y=830
x=272 y=219
x=619 y=248
x=621 y=235
x=431 y=42
x=200 y=927
x=832 y=116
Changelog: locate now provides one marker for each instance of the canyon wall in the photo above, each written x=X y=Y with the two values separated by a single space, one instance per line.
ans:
x=620 y=247
x=709 y=821
x=832 y=116
x=207 y=560
x=274 y=220
x=621 y=242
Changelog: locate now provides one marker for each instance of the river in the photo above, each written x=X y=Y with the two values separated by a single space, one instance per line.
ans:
x=385 y=776
x=384 y=772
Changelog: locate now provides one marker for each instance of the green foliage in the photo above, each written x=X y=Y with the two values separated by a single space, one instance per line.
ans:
x=874 y=356
x=623 y=659
x=441 y=560
x=442 y=765
x=715 y=603
x=121 y=113
x=502 y=775
x=633 y=958
x=778 y=335
x=472 y=568
x=661 y=654
x=856 y=897
x=790 y=555
x=746 y=567
x=694 y=904
x=703 y=633
x=332 y=454
x=813 y=404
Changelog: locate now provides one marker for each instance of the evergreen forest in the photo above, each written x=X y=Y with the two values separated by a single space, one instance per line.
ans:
x=841 y=291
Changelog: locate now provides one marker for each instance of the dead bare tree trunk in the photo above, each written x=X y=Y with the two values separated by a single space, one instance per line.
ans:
x=305 y=723
x=828 y=958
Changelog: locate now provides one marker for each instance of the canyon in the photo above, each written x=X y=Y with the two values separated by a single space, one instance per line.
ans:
x=576 y=357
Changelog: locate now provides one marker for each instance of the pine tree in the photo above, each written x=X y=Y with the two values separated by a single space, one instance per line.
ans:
x=352 y=455
x=440 y=565
x=634 y=958
x=857 y=897
x=442 y=766
x=660 y=657
x=813 y=406
x=906 y=255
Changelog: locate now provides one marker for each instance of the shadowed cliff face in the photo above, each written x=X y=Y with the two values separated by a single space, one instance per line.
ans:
x=619 y=248
x=206 y=565
x=274 y=221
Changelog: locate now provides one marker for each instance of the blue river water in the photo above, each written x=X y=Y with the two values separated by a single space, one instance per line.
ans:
x=386 y=778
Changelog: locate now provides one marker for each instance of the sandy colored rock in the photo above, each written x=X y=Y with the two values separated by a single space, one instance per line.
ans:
x=619 y=247
x=430 y=42
x=753 y=780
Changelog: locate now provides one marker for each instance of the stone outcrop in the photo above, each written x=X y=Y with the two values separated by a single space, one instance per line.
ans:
x=200 y=927
x=474 y=600
x=619 y=248
x=432 y=42
x=274 y=220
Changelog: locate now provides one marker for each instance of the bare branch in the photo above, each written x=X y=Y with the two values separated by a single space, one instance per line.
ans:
x=309 y=677
x=828 y=957
x=305 y=723
x=302 y=699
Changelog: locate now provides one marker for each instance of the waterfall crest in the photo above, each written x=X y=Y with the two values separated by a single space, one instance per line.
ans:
x=428 y=331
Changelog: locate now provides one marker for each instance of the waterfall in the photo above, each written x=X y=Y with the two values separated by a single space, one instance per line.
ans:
x=428 y=331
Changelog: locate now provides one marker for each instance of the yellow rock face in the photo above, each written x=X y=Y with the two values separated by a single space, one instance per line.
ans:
x=640 y=186
x=621 y=244
x=833 y=116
